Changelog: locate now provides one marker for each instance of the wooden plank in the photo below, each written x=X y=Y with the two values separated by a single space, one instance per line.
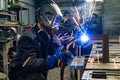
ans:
x=8 y=14
x=6 y=46
x=79 y=74
x=103 y=66
x=9 y=25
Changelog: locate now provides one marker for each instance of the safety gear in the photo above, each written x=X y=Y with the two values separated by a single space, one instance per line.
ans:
x=51 y=62
x=49 y=15
x=65 y=58
x=35 y=45
x=56 y=41
x=61 y=59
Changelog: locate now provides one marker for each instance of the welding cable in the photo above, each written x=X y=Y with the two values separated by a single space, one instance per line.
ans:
x=62 y=73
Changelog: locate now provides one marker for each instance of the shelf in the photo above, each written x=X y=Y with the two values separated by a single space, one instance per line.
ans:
x=9 y=25
x=7 y=13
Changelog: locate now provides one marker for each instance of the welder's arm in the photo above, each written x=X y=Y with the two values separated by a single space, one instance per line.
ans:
x=29 y=56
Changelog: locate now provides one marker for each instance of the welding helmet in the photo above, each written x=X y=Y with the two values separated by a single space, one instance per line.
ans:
x=49 y=15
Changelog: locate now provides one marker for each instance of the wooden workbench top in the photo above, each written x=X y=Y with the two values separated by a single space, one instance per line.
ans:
x=3 y=76
x=103 y=66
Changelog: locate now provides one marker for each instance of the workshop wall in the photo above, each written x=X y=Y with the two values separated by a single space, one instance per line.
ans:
x=31 y=6
x=111 y=18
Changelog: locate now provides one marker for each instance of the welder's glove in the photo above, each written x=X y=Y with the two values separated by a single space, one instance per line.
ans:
x=62 y=60
x=52 y=62
x=65 y=59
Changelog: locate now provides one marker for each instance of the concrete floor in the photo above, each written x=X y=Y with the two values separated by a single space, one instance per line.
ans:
x=54 y=74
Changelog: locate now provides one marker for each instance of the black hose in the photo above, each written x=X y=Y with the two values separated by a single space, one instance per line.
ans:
x=62 y=74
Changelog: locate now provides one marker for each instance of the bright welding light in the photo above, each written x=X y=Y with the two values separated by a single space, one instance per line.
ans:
x=84 y=38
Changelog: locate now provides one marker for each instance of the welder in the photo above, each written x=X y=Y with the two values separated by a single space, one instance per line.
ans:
x=39 y=48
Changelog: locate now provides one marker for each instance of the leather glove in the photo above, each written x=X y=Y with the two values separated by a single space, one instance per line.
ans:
x=65 y=59
x=51 y=62
x=59 y=59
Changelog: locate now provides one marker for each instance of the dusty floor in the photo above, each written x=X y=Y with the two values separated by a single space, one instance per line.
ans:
x=54 y=74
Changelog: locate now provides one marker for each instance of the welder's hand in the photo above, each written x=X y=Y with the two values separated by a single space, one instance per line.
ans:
x=65 y=59
x=52 y=62
x=56 y=40
x=57 y=52
x=57 y=46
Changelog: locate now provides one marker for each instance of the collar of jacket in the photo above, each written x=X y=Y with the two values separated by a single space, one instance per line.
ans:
x=42 y=36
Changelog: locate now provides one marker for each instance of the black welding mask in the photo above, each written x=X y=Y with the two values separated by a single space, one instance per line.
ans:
x=49 y=15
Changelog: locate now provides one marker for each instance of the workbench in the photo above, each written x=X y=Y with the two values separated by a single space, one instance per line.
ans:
x=77 y=64
x=5 y=45
x=95 y=69
x=105 y=55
